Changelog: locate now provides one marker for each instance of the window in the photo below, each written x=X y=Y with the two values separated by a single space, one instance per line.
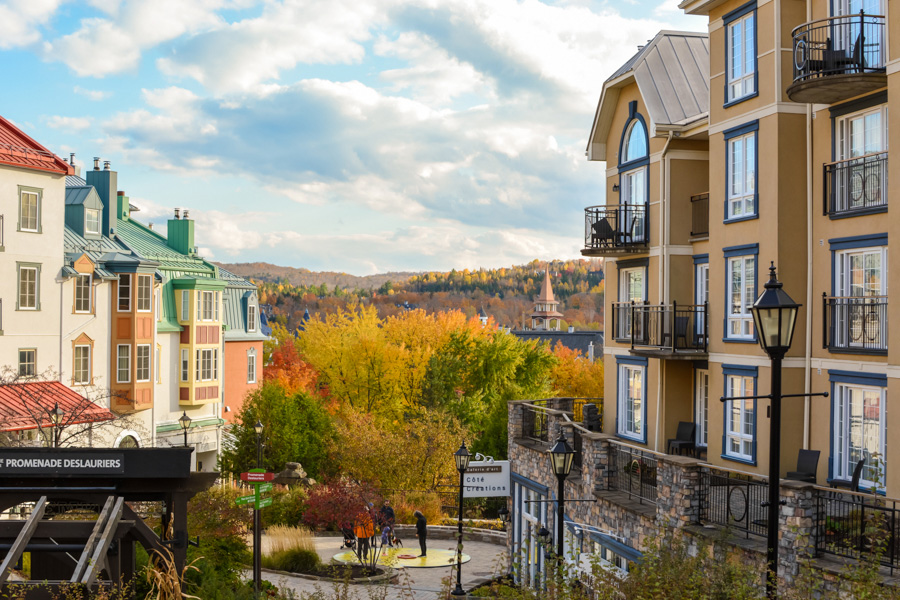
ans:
x=252 y=317
x=27 y=362
x=92 y=221
x=251 y=365
x=207 y=306
x=741 y=294
x=185 y=305
x=632 y=288
x=635 y=142
x=29 y=277
x=81 y=372
x=83 y=293
x=701 y=404
x=740 y=67
x=144 y=293
x=185 y=364
x=859 y=420
x=29 y=210
x=142 y=362
x=859 y=315
x=740 y=417
x=207 y=364
x=634 y=199
x=701 y=290
x=631 y=405
x=125 y=292
x=741 y=176
x=123 y=363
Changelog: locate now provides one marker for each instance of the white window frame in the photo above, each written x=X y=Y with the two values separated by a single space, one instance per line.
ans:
x=744 y=411
x=185 y=305
x=81 y=376
x=79 y=290
x=844 y=462
x=29 y=365
x=207 y=364
x=630 y=401
x=634 y=195
x=251 y=365
x=185 y=364
x=207 y=306
x=869 y=332
x=144 y=294
x=124 y=285
x=252 y=317
x=142 y=363
x=31 y=295
x=126 y=356
x=90 y=212
x=740 y=72
x=24 y=219
x=742 y=175
x=701 y=294
x=739 y=319
x=701 y=405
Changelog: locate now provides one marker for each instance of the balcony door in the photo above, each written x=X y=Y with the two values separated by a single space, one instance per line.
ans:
x=860 y=315
x=861 y=39
x=861 y=178
x=632 y=282
x=634 y=200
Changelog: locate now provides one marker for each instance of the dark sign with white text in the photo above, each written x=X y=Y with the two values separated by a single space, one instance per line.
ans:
x=61 y=463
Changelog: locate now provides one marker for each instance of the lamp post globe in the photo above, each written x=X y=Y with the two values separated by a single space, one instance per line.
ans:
x=462 y=458
x=561 y=458
x=185 y=422
x=775 y=314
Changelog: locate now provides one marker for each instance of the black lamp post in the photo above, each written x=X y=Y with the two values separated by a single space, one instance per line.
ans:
x=257 y=534
x=561 y=458
x=185 y=422
x=774 y=314
x=56 y=418
x=462 y=458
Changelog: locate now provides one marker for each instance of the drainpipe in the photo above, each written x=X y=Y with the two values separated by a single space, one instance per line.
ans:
x=664 y=213
x=807 y=366
x=61 y=313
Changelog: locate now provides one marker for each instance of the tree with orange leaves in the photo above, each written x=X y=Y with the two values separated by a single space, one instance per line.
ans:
x=286 y=367
x=574 y=375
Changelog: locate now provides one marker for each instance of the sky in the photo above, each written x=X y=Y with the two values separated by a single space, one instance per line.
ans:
x=359 y=136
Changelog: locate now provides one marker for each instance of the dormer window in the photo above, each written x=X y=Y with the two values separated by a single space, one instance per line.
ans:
x=92 y=221
x=252 y=317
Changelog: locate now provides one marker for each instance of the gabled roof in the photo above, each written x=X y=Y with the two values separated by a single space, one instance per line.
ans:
x=98 y=251
x=672 y=74
x=78 y=195
x=153 y=246
x=25 y=405
x=17 y=149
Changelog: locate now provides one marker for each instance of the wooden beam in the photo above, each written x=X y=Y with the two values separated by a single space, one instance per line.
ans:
x=99 y=557
x=92 y=541
x=12 y=557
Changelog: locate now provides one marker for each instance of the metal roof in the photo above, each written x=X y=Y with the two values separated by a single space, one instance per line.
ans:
x=99 y=251
x=75 y=181
x=25 y=405
x=576 y=340
x=152 y=245
x=77 y=195
x=17 y=149
x=234 y=303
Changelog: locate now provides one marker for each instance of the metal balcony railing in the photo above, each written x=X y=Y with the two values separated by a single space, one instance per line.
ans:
x=633 y=471
x=856 y=185
x=839 y=46
x=615 y=227
x=535 y=422
x=855 y=324
x=674 y=327
x=854 y=525
x=733 y=500
x=700 y=215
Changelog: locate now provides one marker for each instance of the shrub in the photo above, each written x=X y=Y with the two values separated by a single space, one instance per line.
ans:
x=295 y=560
x=221 y=526
x=281 y=538
x=429 y=503
x=336 y=502
x=492 y=524
x=288 y=507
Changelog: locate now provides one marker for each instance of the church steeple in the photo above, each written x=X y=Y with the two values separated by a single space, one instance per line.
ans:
x=545 y=315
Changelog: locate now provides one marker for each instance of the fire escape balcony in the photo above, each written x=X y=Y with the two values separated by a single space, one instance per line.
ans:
x=856 y=186
x=838 y=58
x=615 y=230
x=673 y=331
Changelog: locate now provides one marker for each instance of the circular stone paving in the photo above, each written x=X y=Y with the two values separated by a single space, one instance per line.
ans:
x=399 y=558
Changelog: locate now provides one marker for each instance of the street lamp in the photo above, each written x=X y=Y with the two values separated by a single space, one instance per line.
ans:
x=56 y=418
x=462 y=458
x=185 y=422
x=774 y=314
x=561 y=458
x=258 y=428
x=257 y=533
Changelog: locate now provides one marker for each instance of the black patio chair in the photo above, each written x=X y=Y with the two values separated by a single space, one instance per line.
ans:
x=853 y=484
x=684 y=438
x=602 y=233
x=807 y=463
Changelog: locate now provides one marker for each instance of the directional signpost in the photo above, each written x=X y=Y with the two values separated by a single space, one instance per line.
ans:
x=259 y=479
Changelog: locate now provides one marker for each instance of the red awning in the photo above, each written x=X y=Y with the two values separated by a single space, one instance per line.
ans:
x=24 y=406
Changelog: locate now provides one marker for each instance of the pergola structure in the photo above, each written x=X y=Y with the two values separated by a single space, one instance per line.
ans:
x=67 y=487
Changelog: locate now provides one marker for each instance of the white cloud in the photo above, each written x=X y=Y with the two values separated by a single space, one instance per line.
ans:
x=20 y=20
x=71 y=124
x=95 y=95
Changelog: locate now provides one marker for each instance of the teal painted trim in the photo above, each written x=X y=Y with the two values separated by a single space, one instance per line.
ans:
x=177 y=426
x=199 y=283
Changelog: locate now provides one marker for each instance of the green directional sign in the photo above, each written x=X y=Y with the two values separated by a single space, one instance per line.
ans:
x=245 y=499
x=264 y=487
x=264 y=502
x=256 y=471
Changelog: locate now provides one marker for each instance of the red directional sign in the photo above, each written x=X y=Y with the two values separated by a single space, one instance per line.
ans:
x=257 y=477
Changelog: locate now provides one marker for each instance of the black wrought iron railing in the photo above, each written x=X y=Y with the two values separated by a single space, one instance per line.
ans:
x=733 y=500
x=856 y=185
x=535 y=423
x=674 y=327
x=838 y=46
x=855 y=323
x=700 y=215
x=615 y=227
x=854 y=525
x=632 y=471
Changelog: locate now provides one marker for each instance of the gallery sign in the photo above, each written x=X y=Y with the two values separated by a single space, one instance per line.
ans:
x=487 y=479
x=61 y=463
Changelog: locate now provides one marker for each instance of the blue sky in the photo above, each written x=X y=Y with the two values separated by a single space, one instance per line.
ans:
x=364 y=137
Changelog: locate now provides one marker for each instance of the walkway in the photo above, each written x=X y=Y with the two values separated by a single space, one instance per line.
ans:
x=414 y=584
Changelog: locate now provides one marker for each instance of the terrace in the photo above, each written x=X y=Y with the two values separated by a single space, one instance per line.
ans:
x=662 y=331
x=615 y=230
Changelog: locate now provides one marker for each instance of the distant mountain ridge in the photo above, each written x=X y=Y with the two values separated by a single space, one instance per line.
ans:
x=262 y=271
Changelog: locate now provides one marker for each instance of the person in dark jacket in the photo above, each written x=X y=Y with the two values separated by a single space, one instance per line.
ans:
x=386 y=518
x=421 y=531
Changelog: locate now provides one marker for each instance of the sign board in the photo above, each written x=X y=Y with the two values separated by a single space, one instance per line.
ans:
x=264 y=502
x=245 y=500
x=255 y=477
x=67 y=463
x=485 y=479
x=264 y=487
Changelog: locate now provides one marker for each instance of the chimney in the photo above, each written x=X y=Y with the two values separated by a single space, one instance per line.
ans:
x=106 y=183
x=106 y=165
x=149 y=225
x=185 y=213
x=591 y=352
x=123 y=208
x=177 y=213
x=571 y=329
x=180 y=234
x=72 y=158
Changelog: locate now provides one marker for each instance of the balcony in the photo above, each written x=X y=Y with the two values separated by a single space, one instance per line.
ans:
x=857 y=186
x=615 y=230
x=649 y=329
x=700 y=216
x=855 y=324
x=838 y=58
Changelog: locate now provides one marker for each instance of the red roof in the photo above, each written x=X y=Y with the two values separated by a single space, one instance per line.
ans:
x=19 y=150
x=23 y=405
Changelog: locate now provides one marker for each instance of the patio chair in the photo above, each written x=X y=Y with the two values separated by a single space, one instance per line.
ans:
x=807 y=463
x=684 y=438
x=853 y=484
x=602 y=233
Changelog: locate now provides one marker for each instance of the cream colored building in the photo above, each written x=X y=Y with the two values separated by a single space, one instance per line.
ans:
x=780 y=154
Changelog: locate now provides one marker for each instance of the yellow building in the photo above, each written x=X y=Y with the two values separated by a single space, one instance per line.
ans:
x=765 y=141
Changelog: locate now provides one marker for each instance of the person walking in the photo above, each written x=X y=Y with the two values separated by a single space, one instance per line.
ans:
x=364 y=529
x=421 y=531
x=387 y=518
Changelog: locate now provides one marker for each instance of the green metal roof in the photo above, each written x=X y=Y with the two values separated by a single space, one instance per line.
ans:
x=152 y=245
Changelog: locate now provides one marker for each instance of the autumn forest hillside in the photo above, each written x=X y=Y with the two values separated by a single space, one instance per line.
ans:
x=506 y=294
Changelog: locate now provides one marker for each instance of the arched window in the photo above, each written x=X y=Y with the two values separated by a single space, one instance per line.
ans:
x=129 y=441
x=635 y=142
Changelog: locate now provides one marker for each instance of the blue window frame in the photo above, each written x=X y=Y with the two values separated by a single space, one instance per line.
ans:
x=741 y=73
x=858 y=426
x=739 y=418
x=631 y=398
x=634 y=184
x=858 y=310
x=741 y=271
x=741 y=173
